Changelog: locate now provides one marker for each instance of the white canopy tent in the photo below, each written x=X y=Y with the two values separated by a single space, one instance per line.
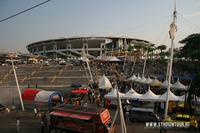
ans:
x=172 y=97
x=104 y=83
x=138 y=78
x=165 y=84
x=132 y=94
x=113 y=94
x=148 y=81
x=142 y=80
x=179 y=86
x=113 y=59
x=132 y=78
x=149 y=96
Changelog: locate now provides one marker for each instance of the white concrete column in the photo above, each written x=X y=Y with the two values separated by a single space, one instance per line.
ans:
x=85 y=48
x=119 y=44
x=44 y=50
x=55 y=49
x=69 y=46
x=102 y=48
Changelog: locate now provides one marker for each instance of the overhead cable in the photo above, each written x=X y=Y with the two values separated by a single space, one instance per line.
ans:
x=19 y=13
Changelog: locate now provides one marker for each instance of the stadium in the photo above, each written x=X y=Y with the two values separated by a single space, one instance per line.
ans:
x=77 y=46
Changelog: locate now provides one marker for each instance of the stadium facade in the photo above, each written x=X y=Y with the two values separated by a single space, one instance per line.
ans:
x=77 y=46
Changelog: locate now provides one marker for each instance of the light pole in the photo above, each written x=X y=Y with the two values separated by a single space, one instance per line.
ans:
x=17 y=83
x=172 y=32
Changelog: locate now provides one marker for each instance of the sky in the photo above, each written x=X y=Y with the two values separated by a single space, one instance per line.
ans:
x=142 y=19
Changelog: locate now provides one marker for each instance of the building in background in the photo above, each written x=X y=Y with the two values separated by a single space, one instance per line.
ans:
x=77 y=46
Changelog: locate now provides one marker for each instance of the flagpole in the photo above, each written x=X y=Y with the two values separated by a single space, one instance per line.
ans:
x=172 y=32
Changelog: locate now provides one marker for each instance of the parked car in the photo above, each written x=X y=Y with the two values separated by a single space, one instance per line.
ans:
x=143 y=115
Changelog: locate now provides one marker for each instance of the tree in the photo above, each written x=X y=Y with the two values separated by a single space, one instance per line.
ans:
x=191 y=49
x=151 y=50
x=161 y=48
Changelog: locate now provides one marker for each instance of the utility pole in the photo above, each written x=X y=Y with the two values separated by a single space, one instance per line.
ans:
x=172 y=32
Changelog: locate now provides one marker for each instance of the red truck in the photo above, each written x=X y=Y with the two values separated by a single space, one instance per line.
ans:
x=80 y=119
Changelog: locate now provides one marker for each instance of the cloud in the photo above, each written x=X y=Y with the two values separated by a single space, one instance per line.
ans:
x=193 y=14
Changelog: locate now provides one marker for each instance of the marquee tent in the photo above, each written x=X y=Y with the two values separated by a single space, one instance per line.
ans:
x=148 y=81
x=142 y=80
x=104 y=83
x=179 y=86
x=113 y=94
x=138 y=78
x=132 y=78
x=171 y=97
x=132 y=94
x=114 y=59
x=165 y=84
x=150 y=96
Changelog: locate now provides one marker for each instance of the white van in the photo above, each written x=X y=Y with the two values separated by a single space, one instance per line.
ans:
x=143 y=115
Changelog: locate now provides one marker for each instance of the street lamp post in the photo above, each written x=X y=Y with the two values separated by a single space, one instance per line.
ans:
x=172 y=32
x=17 y=83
